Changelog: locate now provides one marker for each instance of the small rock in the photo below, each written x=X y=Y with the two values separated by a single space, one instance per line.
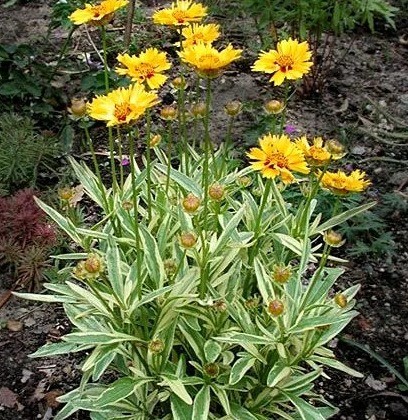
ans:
x=14 y=325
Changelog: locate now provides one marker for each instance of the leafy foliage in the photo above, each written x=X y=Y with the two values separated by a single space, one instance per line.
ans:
x=24 y=152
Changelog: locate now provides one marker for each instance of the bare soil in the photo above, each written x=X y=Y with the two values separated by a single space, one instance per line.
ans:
x=369 y=67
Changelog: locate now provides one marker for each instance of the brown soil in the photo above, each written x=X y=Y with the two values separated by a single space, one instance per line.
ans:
x=371 y=67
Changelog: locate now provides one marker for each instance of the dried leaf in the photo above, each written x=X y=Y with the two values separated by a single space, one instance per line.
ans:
x=8 y=398
x=375 y=383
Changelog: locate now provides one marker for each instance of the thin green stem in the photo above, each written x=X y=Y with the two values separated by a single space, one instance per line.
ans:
x=169 y=152
x=105 y=58
x=135 y=210
x=121 y=174
x=148 y=168
x=62 y=53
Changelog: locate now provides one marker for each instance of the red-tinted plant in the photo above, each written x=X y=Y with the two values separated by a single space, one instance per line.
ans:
x=26 y=238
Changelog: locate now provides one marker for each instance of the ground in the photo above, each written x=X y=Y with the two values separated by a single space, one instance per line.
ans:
x=370 y=71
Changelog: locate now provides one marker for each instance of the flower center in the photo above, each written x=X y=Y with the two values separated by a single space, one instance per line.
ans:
x=285 y=62
x=208 y=61
x=121 y=112
x=179 y=15
x=146 y=70
x=276 y=159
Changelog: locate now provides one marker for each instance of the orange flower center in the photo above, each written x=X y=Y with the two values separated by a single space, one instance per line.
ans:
x=285 y=62
x=146 y=70
x=276 y=159
x=121 y=112
x=179 y=15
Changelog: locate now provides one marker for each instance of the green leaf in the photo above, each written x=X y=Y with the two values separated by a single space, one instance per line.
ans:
x=240 y=338
x=176 y=387
x=94 y=337
x=179 y=409
x=201 y=408
x=45 y=298
x=264 y=282
x=89 y=298
x=278 y=372
x=119 y=390
x=113 y=264
x=241 y=413
x=152 y=257
x=65 y=224
x=54 y=349
x=240 y=368
x=184 y=181
x=222 y=397
x=306 y=410
x=341 y=218
x=335 y=364
x=212 y=350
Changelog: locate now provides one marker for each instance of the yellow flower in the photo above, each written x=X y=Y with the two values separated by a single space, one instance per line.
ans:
x=278 y=156
x=207 y=61
x=290 y=60
x=181 y=13
x=145 y=68
x=317 y=154
x=340 y=183
x=123 y=105
x=196 y=33
x=98 y=14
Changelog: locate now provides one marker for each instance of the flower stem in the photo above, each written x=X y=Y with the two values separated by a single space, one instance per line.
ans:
x=169 y=151
x=105 y=58
x=148 y=168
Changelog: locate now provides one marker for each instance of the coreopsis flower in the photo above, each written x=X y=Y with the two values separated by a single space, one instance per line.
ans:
x=147 y=67
x=290 y=60
x=197 y=33
x=123 y=105
x=98 y=14
x=278 y=156
x=208 y=61
x=315 y=155
x=180 y=13
x=340 y=183
x=336 y=149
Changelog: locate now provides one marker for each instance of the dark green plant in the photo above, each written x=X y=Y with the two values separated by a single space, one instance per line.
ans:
x=24 y=152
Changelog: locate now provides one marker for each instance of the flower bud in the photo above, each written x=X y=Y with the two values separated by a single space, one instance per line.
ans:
x=78 y=107
x=179 y=82
x=211 y=369
x=275 y=307
x=216 y=192
x=168 y=113
x=170 y=266
x=274 y=107
x=233 y=108
x=281 y=273
x=93 y=264
x=198 y=110
x=335 y=148
x=65 y=193
x=155 y=140
x=89 y=269
x=127 y=205
x=340 y=300
x=252 y=303
x=244 y=181
x=191 y=203
x=333 y=239
x=188 y=239
x=220 y=305
x=156 y=346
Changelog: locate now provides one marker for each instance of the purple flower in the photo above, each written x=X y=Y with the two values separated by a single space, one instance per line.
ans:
x=125 y=161
x=290 y=129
